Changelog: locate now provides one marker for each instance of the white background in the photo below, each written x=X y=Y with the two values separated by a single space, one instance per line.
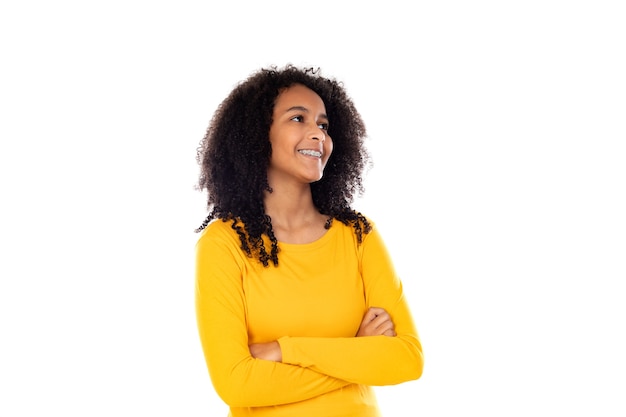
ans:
x=497 y=132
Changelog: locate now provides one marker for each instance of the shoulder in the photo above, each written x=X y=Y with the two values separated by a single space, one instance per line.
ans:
x=220 y=232
x=362 y=225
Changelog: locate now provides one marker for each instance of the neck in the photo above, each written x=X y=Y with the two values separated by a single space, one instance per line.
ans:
x=295 y=219
x=290 y=207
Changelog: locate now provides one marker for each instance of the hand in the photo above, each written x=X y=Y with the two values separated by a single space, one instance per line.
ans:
x=376 y=321
x=266 y=351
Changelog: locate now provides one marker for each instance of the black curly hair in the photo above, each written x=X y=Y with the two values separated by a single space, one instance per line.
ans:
x=234 y=157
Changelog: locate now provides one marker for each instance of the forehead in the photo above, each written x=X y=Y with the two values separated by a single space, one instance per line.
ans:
x=299 y=95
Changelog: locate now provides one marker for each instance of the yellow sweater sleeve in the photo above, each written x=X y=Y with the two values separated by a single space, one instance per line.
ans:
x=376 y=360
x=238 y=378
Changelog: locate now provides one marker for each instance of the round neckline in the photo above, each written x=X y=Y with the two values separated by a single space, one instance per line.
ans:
x=300 y=247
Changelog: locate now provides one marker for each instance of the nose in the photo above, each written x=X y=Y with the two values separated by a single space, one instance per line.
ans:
x=319 y=134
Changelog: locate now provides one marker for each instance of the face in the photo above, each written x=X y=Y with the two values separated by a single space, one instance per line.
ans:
x=299 y=137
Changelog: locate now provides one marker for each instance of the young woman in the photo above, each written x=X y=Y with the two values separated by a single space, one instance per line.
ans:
x=299 y=309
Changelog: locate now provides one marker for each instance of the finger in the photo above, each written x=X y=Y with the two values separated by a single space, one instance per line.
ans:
x=377 y=311
x=368 y=328
x=381 y=318
x=384 y=326
x=372 y=313
x=376 y=321
x=390 y=333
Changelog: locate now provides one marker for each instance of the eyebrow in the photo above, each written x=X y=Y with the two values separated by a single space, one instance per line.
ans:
x=303 y=109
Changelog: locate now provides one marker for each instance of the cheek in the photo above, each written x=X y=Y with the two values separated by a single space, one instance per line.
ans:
x=328 y=147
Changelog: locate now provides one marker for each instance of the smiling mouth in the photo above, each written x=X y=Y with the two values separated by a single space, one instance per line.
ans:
x=310 y=152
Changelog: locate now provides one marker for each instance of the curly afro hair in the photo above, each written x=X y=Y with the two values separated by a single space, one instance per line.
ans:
x=234 y=156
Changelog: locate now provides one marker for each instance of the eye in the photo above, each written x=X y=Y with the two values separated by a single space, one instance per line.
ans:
x=297 y=118
x=323 y=126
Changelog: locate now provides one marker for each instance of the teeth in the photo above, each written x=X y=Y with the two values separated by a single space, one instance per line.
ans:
x=310 y=152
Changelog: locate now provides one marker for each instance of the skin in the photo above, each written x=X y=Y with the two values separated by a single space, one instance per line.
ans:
x=299 y=123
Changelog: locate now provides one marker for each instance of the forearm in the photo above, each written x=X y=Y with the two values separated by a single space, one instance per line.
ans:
x=374 y=360
x=256 y=383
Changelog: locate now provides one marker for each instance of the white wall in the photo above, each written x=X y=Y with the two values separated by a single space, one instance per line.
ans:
x=497 y=133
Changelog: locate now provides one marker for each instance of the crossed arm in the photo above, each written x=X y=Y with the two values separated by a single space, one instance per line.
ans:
x=386 y=349
x=376 y=322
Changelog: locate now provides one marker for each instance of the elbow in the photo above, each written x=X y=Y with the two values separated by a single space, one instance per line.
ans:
x=228 y=387
x=236 y=393
x=413 y=365
x=410 y=370
x=232 y=397
x=235 y=388
x=416 y=368
x=407 y=365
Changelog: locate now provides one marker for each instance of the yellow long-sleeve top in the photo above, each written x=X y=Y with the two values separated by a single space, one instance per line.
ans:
x=313 y=304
